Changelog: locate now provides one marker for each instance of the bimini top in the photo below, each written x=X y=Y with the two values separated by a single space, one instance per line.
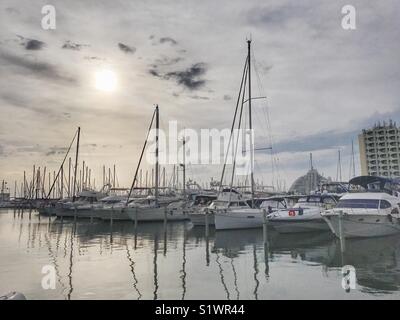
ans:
x=377 y=184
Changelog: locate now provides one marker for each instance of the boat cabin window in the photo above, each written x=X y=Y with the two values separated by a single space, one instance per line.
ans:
x=358 y=203
x=203 y=200
x=311 y=201
x=218 y=204
x=275 y=204
x=385 y=204
x=238 y=204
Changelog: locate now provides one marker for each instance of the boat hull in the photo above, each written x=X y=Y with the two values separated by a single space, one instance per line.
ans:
x=199 y=219
x=299 y=226
x=362 y=226
x=155 y=214
x=229 y=221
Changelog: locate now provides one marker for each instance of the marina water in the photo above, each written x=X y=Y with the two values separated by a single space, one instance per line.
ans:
x=99 y=260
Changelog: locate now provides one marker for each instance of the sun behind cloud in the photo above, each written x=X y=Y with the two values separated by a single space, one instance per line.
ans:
x=105 y=80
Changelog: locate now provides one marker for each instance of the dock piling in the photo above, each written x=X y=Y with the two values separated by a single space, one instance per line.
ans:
x=207 y=223
x=341 y=233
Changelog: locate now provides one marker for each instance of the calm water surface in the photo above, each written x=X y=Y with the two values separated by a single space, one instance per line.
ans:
x=100 y=261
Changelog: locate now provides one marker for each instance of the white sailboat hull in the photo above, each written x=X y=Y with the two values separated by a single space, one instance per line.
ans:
x=246 y=219
x=154 y=214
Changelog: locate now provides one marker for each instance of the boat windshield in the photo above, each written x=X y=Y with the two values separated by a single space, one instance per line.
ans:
x=274 y=204
x=219 y=203
x=358 y=203
x=238 y=204
x=312 y=201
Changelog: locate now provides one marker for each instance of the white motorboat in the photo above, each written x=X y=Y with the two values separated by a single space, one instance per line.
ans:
x=369 y=214
x=305 y=216
x=240 y=217
x=372 y=212
x=243 y=216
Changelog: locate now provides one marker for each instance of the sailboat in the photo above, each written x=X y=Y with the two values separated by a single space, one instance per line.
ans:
x=248 y=216
x=150 y=208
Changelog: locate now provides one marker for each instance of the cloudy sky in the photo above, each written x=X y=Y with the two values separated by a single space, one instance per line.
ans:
x=323 y=83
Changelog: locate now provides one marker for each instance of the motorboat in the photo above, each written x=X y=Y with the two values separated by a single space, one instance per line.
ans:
x=370 y=214
x=367 y=214
x=304 y=216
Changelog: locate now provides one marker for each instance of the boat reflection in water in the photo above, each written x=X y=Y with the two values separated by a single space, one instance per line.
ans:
x=173 y=260
x=376 y=261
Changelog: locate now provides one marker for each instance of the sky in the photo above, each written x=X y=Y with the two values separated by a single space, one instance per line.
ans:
x=323 y=83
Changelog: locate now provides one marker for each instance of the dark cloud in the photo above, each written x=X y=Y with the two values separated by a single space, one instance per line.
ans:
x=125 y=48
x=30 y=44
x=227 y=97
x=155 y=73
x=38 y=68
x=33 y=44
x=168 y=40
x=73 y=46
x=191 y=77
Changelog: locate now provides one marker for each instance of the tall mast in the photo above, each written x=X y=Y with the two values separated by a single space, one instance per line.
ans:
x=156 y=169
x=76 y=163
x=250 y=125
x=184 y=167
x=114 y=177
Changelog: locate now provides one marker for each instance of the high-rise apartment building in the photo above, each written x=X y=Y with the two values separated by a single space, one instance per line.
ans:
x=380 y=150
